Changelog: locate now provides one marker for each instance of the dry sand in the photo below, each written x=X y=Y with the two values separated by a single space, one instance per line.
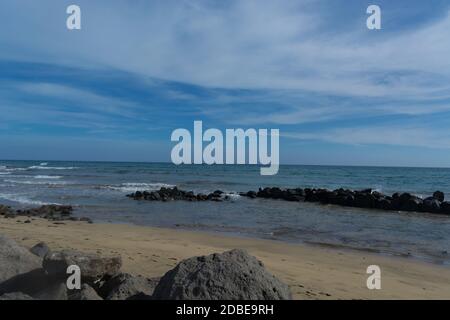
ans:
x=311 y=272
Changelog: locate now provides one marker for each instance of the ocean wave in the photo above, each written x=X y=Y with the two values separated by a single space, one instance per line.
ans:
x=51 y=168
x=14 y=169
x=32 y=182
x=4 y=173
x=23 y=200
x=47 y=177
x=133 y=187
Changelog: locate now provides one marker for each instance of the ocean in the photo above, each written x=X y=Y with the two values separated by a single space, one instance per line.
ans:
x=98 y=190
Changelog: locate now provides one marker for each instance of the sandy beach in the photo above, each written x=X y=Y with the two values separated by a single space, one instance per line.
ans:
x=311 y=272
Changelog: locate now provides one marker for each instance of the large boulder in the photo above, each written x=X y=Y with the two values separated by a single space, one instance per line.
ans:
x=411 y=204
x=383 y=203
x=445 y=207
x=85 y=293
x=37 y=284
x=125 y=286
x=232 y=275
x=431 y=205
x=56 y=291
x=439 y=195
x=41 y=249
x=364 y=199
x=15 y=260
x=92 y=266
x=15 y=296
x=31 y=282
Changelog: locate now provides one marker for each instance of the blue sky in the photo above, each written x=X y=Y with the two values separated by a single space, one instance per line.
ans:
x=115 y=90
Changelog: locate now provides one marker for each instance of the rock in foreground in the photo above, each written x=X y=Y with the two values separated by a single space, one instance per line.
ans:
x=93 y=267
x=15 y=260
x=85 y=293
x=15 y=296
x=232 y=275
x=125 y=286
x=40 y=250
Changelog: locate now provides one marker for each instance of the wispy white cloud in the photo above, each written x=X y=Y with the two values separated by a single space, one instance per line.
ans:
x=411 y=136
x=238 y=44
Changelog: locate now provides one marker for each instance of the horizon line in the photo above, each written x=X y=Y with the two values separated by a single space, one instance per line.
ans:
x=286 y=164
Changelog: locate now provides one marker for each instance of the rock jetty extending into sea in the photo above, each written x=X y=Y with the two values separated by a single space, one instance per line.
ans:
x=367 y=198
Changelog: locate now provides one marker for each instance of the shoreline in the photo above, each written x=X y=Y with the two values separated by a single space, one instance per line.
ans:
x=323 y=245
x=311 y=271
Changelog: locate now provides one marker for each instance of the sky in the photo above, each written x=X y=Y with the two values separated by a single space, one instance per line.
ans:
x=339 y=93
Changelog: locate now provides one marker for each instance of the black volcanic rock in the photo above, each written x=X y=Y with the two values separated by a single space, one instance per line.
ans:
x=431 y=205
x=445 y=207
x=173 y=194
x=366 y=198
x=413 y=204
x=438 y=195
x=383 y=204
x=51 y=212
x=251 y=194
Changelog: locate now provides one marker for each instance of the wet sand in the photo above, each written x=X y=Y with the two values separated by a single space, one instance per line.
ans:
x=311 y=272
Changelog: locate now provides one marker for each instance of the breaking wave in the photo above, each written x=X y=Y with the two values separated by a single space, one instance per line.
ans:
x=33 y=182
x=51 y=168
x=22 y=199
x=133 y=187
x=47 y=177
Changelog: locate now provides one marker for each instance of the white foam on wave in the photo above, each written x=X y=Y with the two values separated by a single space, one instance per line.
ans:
x=43 y=164
x=51 y=168
x=232 y=196
x=15 y=169
x=23 y=200
x=47 y=177
x=133 y=187
x=4 y=173
x=32 y=182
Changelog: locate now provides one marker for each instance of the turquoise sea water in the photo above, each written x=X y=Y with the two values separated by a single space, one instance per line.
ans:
x=98 y=189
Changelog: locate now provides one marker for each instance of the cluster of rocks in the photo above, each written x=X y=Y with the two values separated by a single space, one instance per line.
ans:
x=361 y=199
x=50 y=212
x=171 y=194
x=367 y=198
x=40 y=274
